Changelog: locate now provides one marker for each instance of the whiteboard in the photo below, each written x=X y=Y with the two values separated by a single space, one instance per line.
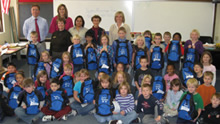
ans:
x=174 y=17
x=141 y=15
x=105 y=9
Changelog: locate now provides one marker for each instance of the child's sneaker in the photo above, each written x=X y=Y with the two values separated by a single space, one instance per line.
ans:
x=73 y=112
x=64 y=118
x=115 y=122
x=48 y=118
x=137 y=120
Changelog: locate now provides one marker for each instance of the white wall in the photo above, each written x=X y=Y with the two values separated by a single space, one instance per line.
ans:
x=6 y=35
x=217 y=26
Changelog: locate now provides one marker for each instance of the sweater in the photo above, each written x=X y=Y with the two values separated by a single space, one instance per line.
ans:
x=126 y=103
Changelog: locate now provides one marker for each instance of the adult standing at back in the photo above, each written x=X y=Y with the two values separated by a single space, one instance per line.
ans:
x=194 y=42
x=119 y=22
x=36 y=23
x=62 y=13
x=79 y=28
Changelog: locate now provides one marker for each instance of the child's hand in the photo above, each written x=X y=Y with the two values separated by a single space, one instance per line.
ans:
x=193 y=46
x=45 y=65
x=8 y=90
x=24 y=106
x=189 y=46
x=26 y=46
x=122 y=113
x=151 y=50
x=93 y=102
x=115 y=113
x=157 y=119
x=40 y=107
x=127 y=66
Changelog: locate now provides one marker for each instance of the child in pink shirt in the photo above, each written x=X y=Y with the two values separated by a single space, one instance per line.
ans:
x=170 y=76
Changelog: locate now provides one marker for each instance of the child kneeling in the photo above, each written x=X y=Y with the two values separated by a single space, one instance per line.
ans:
x=31 y=101
x=56 y=103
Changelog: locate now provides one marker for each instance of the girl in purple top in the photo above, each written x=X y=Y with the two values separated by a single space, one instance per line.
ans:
x=45 y=57
x=62 y=13
x=194 y=42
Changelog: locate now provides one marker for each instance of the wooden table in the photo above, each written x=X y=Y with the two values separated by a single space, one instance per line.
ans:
x=11 y=51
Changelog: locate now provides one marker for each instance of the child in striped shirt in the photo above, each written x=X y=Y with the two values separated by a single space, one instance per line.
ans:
x=125 y=99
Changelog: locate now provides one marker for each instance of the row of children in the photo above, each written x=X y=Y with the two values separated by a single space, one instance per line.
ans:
x=89 y=95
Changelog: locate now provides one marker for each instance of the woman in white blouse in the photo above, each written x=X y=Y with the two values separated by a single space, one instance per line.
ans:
x=119 y=22
x=79 y=28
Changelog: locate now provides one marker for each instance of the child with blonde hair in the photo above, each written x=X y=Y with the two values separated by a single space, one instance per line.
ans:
x=66 y=59
x=77 y=53
x=139 y=50
x=119 y=78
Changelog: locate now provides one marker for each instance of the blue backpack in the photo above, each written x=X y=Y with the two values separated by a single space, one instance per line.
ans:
x=57 y=100
x=104 y=63
x=91 y=60
x=42 y=89
x=157 y=60
x=56 y=68
x=186 y=109
x=139 y=53
x=77 y=54
x=9 y=80
x=87 y=91
x=158 y=88
x=147 y=42
x=67 y=84
x=38 y=67
x=104 y=104
x=174 y=52
x=186 y=74
x=33 y=103
x=122 y=52
x=190 y=57
x=32 y=54
x=13 y=96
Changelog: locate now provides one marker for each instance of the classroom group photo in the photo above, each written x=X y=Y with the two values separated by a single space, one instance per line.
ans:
x=108 y=74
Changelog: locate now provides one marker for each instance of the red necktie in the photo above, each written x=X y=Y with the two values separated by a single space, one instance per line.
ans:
x=37 y=30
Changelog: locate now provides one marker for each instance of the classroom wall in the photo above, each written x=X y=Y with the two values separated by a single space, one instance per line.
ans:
x=6 y=35
x=217 y=26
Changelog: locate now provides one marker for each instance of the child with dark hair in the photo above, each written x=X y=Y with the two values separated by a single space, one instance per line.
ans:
x=198 y=69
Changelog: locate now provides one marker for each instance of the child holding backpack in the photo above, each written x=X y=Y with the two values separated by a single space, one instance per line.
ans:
x=16 y=89
x=198 y=69
x=79 y=105
x=105 y=55
x=174 y=51
x=125 y=99
x=42 y=83
x=34 y=51
x=206 y=60
x=172 y=98
x=157 y=58
x=8 y=78
x=90 y=55
x=148 y=38
x=103 y=100
x=56 y=103
x=139 y=50
x=190 y=105
x=67 y=82
x=30 y=103
x=77 y=53
x=212 y=111
x=122 y=49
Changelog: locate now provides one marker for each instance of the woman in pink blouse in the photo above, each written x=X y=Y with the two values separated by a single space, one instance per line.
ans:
x=62 y=13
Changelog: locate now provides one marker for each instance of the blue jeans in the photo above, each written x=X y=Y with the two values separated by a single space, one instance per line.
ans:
x=31 y=71
x=103 y=119
x=20 y=112
x=77 y=67
x=82 y=110
x=127 y=118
